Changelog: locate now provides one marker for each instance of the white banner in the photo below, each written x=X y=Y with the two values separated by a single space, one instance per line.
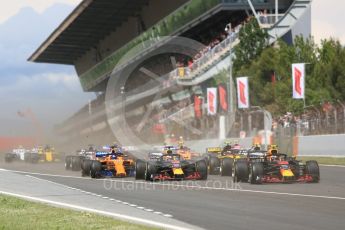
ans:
x=298 y=80
x=242 y=92
x=211 y=101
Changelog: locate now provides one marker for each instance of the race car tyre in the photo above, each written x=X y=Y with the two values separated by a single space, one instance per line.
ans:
x=76 y=163
x=256 y=173
x=86 y=167
x=8 y=158
x=34 y=158
x=82 y=159
x=150 y=170
x=206 y=158
x=226 y=167
x=201 y=167
x=27 y=157
x=240 y=171
x=312 y=168
x=214 y=164
x=96 y=168
x=140 y=168
x=68 y=162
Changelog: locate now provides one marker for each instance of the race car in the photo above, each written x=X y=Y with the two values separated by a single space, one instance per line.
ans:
x=48 y=154
x=221 y=160
x=111 y=163
x=170 y=166
x=32 y=156
x=76 y=162
x=22 y=154
x=273 y=167
x=166 y=149
x=16 y=154
x=187 y=153
x=182 y=150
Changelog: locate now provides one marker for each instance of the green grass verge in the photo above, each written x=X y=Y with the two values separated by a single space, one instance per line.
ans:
x=325 y=160
x=21 y=214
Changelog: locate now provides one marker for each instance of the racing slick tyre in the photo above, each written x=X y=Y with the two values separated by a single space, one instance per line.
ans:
x=96 y=168
x=140 y=168
x=86 y=167
x=206 y=158
x=256 y=172
x=226 y=167
x=27 y=157
x=34 y=158
x=150 y=170
x=240 y=171
x=201 y=167
x=76 y=163
x=8 y=158
x=312 y=168
x=214 y=164
x=68 y=162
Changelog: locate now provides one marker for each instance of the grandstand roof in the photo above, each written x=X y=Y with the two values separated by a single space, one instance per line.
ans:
x=81 y=30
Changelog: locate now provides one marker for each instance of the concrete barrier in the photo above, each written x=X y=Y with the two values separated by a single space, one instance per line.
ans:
x=322 y=145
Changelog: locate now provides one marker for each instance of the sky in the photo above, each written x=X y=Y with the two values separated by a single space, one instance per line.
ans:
x=12 y=7
x=53 y=92
x=328 y=19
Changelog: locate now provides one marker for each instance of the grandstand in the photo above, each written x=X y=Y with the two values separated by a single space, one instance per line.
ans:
x=98 y=33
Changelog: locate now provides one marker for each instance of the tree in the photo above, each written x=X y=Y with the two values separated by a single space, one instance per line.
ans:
x=325 y=74
x=253 y=40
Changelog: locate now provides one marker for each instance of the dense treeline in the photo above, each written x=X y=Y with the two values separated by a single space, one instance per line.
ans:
x=269 y=70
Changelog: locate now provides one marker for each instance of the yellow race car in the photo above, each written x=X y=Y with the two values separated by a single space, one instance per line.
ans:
x=48 y=154
x=221 y=160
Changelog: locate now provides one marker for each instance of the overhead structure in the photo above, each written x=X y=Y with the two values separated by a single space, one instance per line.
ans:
x=98 y=33
x=90 y=22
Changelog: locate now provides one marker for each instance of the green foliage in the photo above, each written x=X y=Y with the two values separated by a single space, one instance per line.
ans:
x=325 y=74
x=253 y=40
x=20 y=214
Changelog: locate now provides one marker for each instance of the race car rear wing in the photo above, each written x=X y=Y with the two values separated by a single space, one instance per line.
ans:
x=155 y=155
x=213 y=150
x=102 y=154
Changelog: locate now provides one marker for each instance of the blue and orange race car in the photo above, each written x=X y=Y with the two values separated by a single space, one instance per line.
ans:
x=111 y=163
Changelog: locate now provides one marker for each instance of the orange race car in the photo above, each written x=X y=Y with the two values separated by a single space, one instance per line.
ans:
x=113 y=163
x=186 y=152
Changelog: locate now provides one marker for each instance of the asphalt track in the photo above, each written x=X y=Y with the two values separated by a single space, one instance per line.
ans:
x=217 y=203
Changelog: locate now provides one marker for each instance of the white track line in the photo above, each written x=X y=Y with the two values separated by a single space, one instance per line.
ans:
x=148 y=210
x=338 y=166
x=93 y=194
x=112 y=214
x=195 y=187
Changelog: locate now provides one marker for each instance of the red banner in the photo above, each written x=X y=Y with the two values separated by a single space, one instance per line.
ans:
x=197 y=106
x=212 y=101
x=298 y=80
x=242 y=92
x=159 y=128
x=223 y=97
